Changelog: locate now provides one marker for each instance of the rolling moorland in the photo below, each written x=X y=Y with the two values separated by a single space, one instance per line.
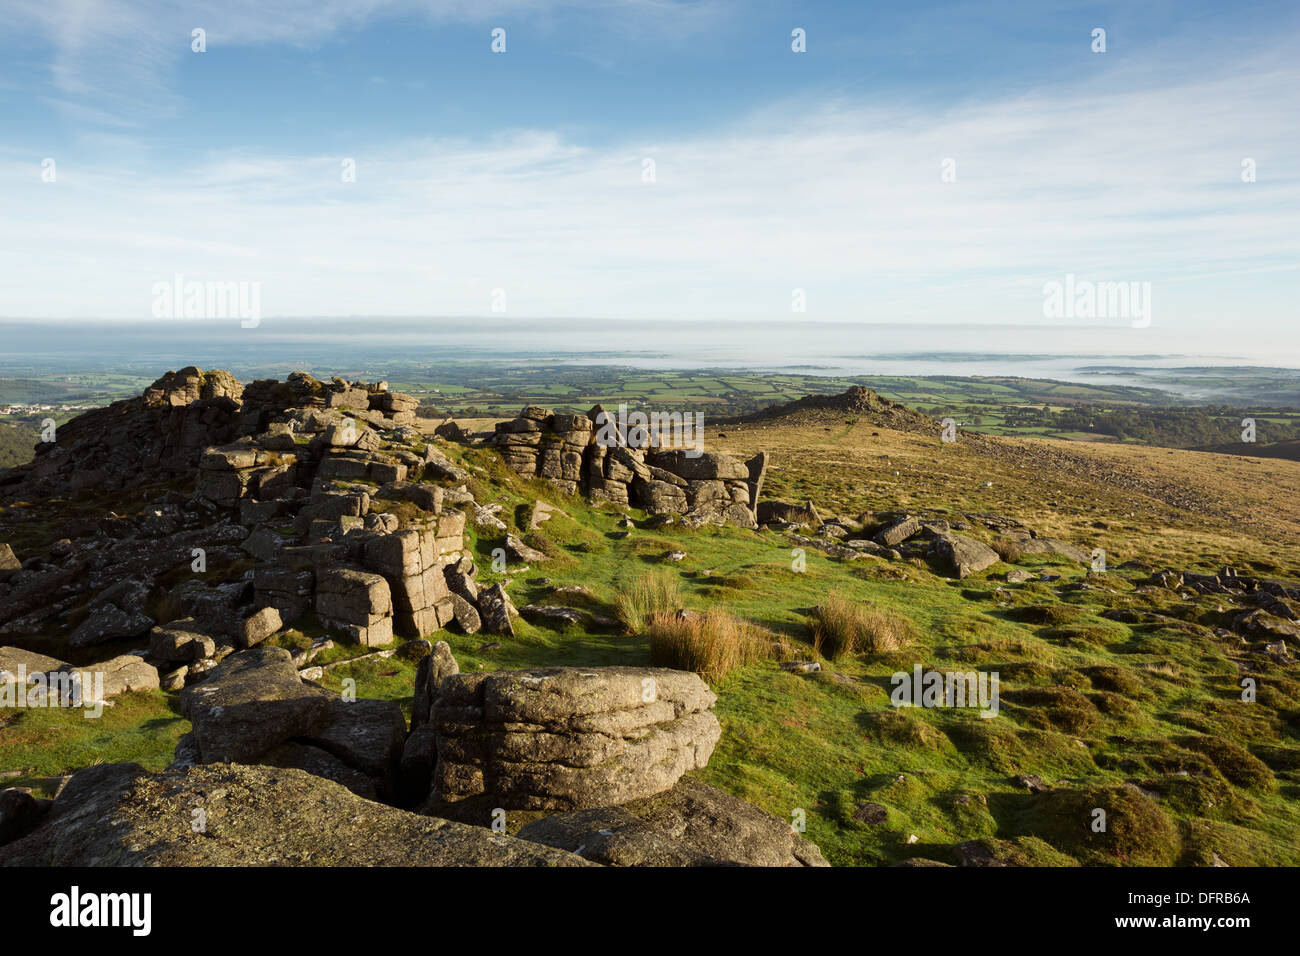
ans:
x=1121 y=684
x=1177 y=408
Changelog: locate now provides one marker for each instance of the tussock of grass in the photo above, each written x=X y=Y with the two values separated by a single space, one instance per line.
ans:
x=1059 y=708
x=1236 y=763
x=649 y=596
x=737 y=582
x=895 y=728
x=1137 y=832
x=841 y=627
x=1008 y=550
x=711 y=644
x=1051 y=614
x=555 y=554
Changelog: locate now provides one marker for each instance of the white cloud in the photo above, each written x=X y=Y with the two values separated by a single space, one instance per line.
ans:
x=1130 y=176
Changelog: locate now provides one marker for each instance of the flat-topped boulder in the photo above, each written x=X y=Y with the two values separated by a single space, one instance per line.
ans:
x=897 y=531
x=16 y=660
x=1065 y=549
x=570 y=738
x=69 y=685
x=775 y=511
x=122 y=815
x=126 y=673
x=695 y=466
x=250 y=702
x=692 y=824
x=180 y=642
x=962 y=556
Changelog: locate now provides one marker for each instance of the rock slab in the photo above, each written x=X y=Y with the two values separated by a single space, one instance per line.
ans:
x=568 y=738
x=121 y=815
x=251 y=702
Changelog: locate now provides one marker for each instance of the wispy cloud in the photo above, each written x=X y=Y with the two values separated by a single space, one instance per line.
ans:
x=1131 y=174
x=112 y=60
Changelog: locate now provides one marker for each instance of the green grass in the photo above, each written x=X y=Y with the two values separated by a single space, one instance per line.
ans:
x=1090 y=704
x=45 y=743
x=825 y=743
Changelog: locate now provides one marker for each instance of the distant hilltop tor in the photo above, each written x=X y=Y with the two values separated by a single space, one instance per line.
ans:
x=857 y=400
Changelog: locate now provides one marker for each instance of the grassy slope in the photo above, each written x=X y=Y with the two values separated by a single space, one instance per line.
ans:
x=825 y=743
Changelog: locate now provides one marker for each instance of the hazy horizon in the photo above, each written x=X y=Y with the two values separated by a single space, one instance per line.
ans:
x=1118 y=355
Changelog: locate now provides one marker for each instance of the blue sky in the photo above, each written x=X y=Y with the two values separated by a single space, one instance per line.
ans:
x=774 y=171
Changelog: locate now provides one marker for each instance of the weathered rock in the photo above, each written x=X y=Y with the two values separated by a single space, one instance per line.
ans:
x=1055 y=546
x=872 y=814
x=466 y=615
x=258 y=626
x=15 y=661
x=516 y=550
x=108 y=622
x=451 y=431
x=415 y=650
x=367 y=735
x=543 y=512
x=773 y=511
x=461 y=578
x=801 y=667
x=494 y=609
x=1260 y=622
x=660 y=497
x=486 y=517
x=692 y=824
x=1168 y=579
x=703 y=466
x=9 y=562
x=570 y=738
x=897 y=531
x=358 y=601
x=285 y=587
x=1032 y=782
x=429 y=675
x=121 y=815
x=126 y=673
x=553 y=613
x=961 y=555
x=251 y=702
x=180 y=642
x=320 y=763
x=423 y=495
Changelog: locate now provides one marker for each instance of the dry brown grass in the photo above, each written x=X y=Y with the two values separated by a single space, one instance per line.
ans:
x=842 y=627
x=1008 y=550
x=711 y=644
x=849 y=469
